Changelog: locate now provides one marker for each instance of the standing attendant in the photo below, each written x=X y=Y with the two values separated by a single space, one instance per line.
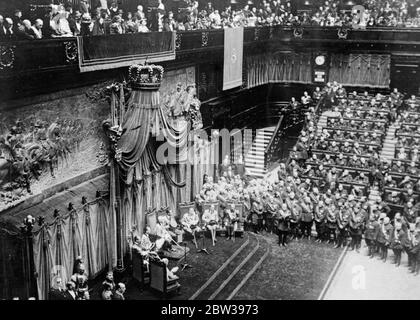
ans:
x=306 y=217
x=283 y=216
x=371 y=233
x=397 y=240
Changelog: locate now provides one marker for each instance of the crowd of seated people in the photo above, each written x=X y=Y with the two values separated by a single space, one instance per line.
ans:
x=333 y=164
x=107 y=17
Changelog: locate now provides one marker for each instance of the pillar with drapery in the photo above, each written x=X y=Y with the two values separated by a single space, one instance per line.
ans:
x=141 y=176
x=80 y=232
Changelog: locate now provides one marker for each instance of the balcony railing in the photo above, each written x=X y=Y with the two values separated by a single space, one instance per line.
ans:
x=63 y=53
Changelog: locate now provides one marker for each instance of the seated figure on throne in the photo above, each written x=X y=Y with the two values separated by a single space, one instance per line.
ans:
x=145 y=247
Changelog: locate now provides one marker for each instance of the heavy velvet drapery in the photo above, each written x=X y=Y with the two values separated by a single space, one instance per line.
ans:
x=365 y=70
x=83 y=232
x=279 y=67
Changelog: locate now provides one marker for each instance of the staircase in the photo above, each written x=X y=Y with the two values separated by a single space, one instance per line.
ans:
x=388 y=149
x=254 y=159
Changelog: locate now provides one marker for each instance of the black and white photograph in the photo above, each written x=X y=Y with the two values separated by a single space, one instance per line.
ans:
x=227 y=151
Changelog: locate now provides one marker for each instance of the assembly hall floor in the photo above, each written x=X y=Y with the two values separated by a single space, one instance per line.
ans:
x=252 y=267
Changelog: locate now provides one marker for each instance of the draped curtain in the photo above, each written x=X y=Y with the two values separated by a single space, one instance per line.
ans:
x=279 y=67
x=84 y=232
x=368 y=70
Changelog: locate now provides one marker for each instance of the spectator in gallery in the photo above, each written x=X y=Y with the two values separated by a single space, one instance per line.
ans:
x=143 y=26
x=75 y=23
x=129 y=26
x=84 y=6
x=140 y=13
x=36 y=29
x=86 y=25
x=62 y=25
x=24 y=31
x=103 y=6
x=113 y=9
x=116 y=27
x=169 y=22
x=17 y=20
x=99 y=25
x=161 y=6
x=6 y=32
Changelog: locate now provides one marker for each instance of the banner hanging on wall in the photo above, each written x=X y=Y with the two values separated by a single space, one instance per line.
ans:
x=233 y=57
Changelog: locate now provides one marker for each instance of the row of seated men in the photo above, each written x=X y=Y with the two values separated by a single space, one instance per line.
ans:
x=360 y=112
x=400 y=182
x=408 y=142
x=378 y=97
x=412 y=104
x=405 y=167
x=366 y=136
x=339 y=159
x=347 y=147
x=409 y=117
x=356 y=124
x=409 y=130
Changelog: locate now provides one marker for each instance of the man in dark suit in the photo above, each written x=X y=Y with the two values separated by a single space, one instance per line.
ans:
x=69 y=293
x=119 y=292
x=6 y=31
x=57 y=292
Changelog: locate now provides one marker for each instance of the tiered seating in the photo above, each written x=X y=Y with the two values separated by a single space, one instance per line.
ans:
x=348 y=147
x=403 y=182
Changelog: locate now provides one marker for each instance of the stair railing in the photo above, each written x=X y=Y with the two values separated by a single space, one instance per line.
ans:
x=273 y=144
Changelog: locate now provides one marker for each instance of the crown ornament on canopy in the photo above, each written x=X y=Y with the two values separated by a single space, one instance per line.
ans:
x=145 y=77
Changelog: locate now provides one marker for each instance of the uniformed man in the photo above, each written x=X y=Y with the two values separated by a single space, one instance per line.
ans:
x=356 y=225
x=343 y=218
x=371 y=233
x=306 y=219
x=398 y=236
x=258 y=214
x=320 y=213
x=331 y=220
x=282 y=218
x=231 y=219
x=270 y=213
x=384 y=237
